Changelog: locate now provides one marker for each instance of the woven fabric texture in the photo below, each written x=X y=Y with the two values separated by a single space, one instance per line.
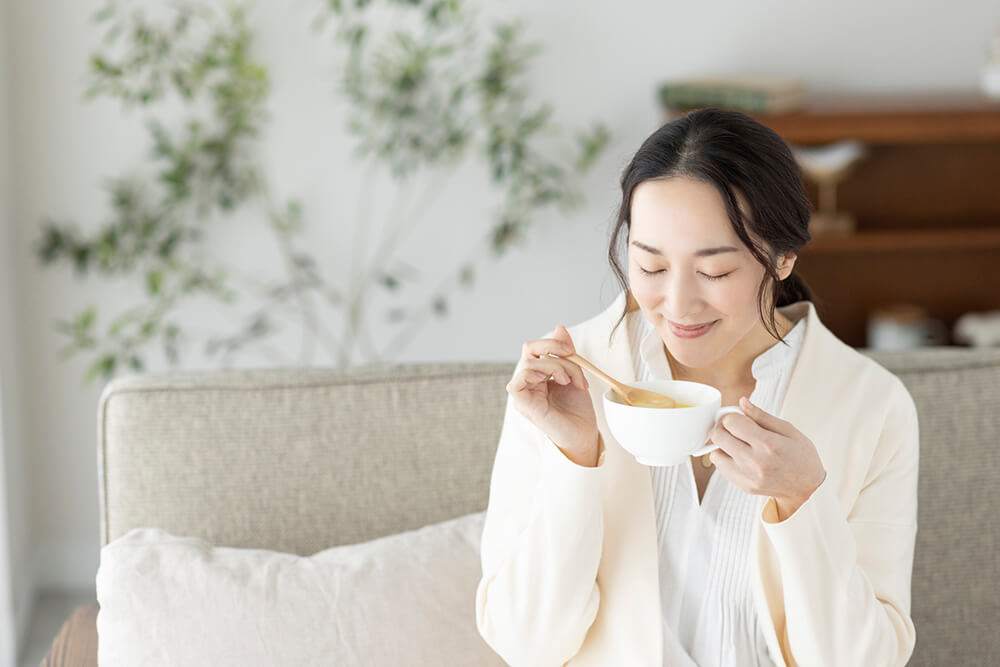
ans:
x=298 y=461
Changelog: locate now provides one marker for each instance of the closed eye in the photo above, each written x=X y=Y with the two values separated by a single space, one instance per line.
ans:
x=710 y=277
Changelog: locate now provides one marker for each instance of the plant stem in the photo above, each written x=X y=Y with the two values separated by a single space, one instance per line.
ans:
x=407 y=223
x=384 y=252
x=358 y=278
x=367 y=193
x=310 y=321
x=417 y=322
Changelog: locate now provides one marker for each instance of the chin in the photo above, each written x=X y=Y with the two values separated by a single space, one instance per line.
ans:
x=693 y=360
x=695 y=353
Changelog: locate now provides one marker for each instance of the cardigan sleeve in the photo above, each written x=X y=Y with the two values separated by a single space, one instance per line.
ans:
x=845 y=579
x=541 y=548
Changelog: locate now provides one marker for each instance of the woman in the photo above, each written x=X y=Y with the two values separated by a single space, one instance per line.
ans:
x=791 y=544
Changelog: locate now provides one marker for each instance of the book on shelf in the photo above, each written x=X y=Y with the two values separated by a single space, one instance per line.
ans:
x=756 y=94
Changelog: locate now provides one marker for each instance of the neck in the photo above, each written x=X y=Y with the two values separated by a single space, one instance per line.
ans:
x=736 y=368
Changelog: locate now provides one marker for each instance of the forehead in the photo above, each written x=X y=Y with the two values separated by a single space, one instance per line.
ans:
x=680 y=213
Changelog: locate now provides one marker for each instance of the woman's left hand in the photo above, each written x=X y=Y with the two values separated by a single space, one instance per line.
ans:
x=767 y=456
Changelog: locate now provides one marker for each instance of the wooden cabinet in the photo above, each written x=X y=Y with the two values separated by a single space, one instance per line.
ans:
x=927 y=203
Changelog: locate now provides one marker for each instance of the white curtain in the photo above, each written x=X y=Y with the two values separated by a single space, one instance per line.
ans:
x=8 y=630
x=8 y=438
x=8 y=615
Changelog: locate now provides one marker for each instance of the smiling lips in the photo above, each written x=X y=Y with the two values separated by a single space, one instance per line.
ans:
x=690 y=332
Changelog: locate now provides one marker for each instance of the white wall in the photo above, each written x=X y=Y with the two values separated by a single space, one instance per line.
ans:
x=17 y=593
x=601 y=60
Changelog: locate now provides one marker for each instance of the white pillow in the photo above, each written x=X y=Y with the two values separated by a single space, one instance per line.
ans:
x=406 y=599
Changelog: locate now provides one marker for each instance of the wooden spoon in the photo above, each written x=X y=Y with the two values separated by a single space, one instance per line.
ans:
x=632 y=395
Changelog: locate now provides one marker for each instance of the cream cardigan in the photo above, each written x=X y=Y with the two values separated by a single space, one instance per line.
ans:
x=569 y=553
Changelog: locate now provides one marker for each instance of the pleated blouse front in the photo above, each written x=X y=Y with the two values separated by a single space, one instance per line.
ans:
x=706 y=598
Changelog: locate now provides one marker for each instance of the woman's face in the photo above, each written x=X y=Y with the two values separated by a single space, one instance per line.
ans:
x=687 y=268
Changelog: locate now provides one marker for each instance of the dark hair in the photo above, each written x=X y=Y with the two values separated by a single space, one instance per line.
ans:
x=740 y=157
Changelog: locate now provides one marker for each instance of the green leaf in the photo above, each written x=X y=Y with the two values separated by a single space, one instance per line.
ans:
x=51 y=245
x=103 y=368
x=170 y=349
x=259 y=326
x=64 y=327
x=85 y=320
x=466 y=275
x=303 y=262
x=591 y=144
x=154 y=281
x=68 y=351
x=503 y=235
x=104 y=13
x=81 y=258
x=102 y=67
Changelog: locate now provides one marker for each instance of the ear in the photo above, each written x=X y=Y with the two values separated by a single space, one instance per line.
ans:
x=785 y=265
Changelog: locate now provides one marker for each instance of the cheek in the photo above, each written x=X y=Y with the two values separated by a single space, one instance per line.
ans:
x=738 y=296
x=643 y=289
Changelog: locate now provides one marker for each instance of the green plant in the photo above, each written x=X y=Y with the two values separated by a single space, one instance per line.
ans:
x=427 y=91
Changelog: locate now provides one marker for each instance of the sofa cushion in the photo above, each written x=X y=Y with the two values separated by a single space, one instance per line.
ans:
x=406 y=599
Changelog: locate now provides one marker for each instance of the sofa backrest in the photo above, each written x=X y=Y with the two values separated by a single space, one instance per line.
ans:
x=299 y=460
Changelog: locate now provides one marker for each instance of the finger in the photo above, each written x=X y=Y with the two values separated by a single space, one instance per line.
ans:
x=765 y=419
x=563 y=372
x=722 y=461
x=528 y=375
x=562 y=335
x=526 y=378
x=729 y=468
x=544 y=347
x=729 y=443
x=575 y=372
x=744 y=428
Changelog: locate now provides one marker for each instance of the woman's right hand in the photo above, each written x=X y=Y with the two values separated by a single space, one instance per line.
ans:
x=561 y=406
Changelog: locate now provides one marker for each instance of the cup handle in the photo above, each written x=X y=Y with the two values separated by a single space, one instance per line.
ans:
x=719 y=414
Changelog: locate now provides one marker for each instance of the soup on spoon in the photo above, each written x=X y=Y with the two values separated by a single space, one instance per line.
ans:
x=634 y=396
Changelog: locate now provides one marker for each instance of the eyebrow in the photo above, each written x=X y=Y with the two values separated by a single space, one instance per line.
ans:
x=704 y=252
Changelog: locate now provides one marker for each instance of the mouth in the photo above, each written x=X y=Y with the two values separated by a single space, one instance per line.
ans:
x=691 y=331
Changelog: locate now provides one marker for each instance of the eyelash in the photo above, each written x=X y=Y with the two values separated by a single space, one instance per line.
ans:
x=653 y=273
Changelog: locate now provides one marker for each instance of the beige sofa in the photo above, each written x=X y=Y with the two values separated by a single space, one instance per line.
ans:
x=299 y=460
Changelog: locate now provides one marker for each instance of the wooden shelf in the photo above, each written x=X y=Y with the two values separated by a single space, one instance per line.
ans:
x=953 y=117
x=909 y=240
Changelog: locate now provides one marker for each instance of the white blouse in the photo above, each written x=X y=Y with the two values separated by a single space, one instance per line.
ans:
x=705 y=594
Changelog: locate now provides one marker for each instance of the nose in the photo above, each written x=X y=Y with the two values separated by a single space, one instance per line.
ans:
x=683 y=297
